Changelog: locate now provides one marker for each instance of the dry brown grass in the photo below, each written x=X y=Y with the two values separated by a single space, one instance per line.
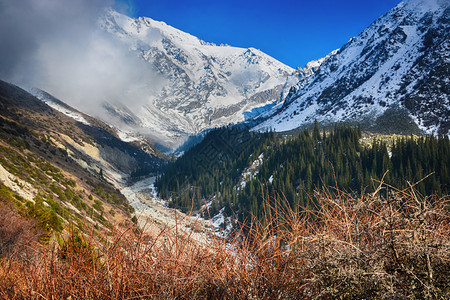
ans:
x=389 y=244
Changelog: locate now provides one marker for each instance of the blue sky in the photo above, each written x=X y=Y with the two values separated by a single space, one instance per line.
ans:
x=292 y=31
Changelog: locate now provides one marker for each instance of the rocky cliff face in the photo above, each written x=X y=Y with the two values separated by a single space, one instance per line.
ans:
x=393 y=76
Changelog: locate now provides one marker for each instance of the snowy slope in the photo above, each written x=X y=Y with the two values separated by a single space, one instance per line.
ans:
x=395 y=71
x=205 y=85
x=59 y=106
x=121 y=134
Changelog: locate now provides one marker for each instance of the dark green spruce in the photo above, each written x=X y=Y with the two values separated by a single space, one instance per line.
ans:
x=236 y=169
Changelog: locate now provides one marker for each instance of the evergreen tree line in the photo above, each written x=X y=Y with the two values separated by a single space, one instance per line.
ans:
x=211 y=168
x=294 y=167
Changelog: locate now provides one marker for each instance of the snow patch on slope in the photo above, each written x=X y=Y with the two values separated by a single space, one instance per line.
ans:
x=68 y=112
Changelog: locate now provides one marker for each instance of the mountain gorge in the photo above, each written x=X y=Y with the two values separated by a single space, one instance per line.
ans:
x=396 y=69
x=392 y=78
x=329 y=181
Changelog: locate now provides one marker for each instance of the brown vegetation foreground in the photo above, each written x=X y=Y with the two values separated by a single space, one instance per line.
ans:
x=390 y=244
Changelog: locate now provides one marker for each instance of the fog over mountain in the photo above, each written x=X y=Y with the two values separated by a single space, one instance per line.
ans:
x=58 y=46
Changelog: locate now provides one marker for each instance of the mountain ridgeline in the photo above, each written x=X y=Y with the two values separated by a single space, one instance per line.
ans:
x=233 y=170
x=396 y=69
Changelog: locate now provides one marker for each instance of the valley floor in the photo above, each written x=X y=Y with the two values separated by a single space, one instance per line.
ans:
x=153 y=215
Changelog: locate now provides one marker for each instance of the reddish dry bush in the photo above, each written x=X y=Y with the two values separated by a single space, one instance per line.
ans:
x=392 y=244
x=395 y=245
x=18 y=239
x=16 y=232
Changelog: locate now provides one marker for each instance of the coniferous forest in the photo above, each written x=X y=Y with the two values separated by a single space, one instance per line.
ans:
x=235 y=169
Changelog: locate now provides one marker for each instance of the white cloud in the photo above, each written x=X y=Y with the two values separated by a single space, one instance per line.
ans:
x=57 y=46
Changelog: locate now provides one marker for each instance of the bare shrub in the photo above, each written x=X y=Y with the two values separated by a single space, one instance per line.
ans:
x=16 y=232
x=389 y=244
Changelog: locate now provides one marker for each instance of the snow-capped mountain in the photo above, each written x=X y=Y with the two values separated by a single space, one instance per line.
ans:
x=394 y=75
x=204 y=85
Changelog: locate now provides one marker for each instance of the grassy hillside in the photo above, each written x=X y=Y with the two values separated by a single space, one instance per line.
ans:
x=58 y=170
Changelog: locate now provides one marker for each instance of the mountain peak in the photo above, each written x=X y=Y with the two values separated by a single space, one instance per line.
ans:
x=205 y=85
x=143 y=28
x=397 y=68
